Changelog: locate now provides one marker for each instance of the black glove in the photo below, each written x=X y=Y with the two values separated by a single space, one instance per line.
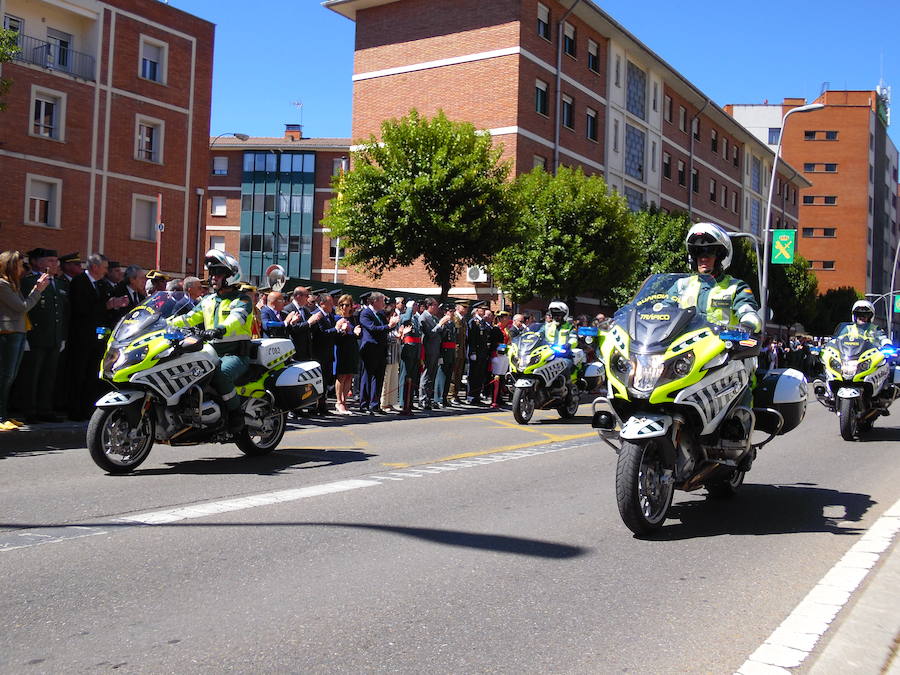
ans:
x=212 y=333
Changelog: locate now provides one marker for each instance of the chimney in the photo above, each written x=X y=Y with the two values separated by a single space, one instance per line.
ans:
x=293 y=131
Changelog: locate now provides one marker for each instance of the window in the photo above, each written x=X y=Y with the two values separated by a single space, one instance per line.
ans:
x=149 y=139
x=774 y=135
x=539 y=161
x=569 y=39
x=143 y=218
x=635 y=142
x=217 y=242
x=14 y=23
x=714 y=140
x=591 y=124
x=725 y=148
x=333 y=249
x=220 y=166
x=42 y=200
x=829 y=232
x=153 y=55
x=667 y=108
x=615 y=135
x=809 y=135
x=48 y=113
x=809 y=166
x=734 y=201
x=695 y=181
x=618 y=70
x=681 y=175
x=712 y=189
x=695 y=128
x=540 y=97
x=755 y=216
x=58 y=51
x=809 y=199
x=667 y=166
x=636 y=91
x=634 y=198
x=809 y=232
x=682 y=118
x=543 y=21
x=831 y=135
x=832 y=199
x=756 y=174
x=724 y=200
x=656 y=97
x=735 y=156
x=822 y=264
x=568 y=112
x=218 y=206
x=653 y=156
x=593 y=56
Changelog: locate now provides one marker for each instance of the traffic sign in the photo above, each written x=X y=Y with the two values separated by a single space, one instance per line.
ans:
x=161 y=227
x=783 y=246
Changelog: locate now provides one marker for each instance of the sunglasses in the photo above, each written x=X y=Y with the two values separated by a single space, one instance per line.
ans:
x=704 y=250
x=345 y=304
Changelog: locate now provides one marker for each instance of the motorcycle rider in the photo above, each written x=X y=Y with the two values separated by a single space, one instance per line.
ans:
x=862 y=327
x=559 y=330
x=227 y=317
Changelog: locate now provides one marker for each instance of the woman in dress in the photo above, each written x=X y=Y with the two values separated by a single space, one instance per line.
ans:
x=13 y=310
x=346 y=352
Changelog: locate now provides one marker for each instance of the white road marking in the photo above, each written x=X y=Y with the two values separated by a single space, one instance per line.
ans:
x=793 y=641
x=26 y=538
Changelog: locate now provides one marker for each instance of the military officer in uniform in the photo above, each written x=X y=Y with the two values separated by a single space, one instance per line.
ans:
x=156 y=281
x=460 y=359
x=70 y=265
x=46 y=338
x=478 y=341
x=411 y=354
x=448 y=351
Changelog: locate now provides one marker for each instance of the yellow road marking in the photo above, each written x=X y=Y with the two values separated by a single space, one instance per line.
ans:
x=507 y=448
x=397 y=465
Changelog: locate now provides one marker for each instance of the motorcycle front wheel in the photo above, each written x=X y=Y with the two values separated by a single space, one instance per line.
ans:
x=570 y=408
x=644 y=486
x=848 y=417
x=523 y=405
x=116 y=446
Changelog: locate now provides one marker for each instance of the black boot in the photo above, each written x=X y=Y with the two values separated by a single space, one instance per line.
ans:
x=235 y=421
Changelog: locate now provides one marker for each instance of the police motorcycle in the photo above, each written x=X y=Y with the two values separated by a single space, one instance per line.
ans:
x=675 y=402
x=547 y=375
x=861 y=380
x=162 y=386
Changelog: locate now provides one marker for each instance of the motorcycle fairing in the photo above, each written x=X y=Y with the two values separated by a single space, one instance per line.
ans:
x=714 y=395
x=120 y=397
x=645 y=425
x=849 y=392
x=172 y=378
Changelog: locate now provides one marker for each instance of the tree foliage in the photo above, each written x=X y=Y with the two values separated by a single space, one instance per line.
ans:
x=832 y=308
x=662 y=241
x=431 y=190
x=576 y=238
x=8 y=49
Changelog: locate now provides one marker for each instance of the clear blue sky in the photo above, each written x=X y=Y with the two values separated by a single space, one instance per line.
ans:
x=271 y=53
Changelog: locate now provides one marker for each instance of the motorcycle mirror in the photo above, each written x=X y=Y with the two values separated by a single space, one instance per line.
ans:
x=276 y=277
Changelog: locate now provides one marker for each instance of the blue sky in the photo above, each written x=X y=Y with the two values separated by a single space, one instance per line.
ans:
x=285 y=51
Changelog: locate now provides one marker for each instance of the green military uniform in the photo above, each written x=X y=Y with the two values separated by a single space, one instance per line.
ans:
x=560 y=334
x=49 y=328
x=232 y=311
x=724 y=299
x=869 y=332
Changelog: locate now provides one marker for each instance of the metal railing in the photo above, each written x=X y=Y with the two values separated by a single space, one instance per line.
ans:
x=54 y=57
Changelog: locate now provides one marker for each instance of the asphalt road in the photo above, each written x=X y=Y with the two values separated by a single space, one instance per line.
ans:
x=460 y=544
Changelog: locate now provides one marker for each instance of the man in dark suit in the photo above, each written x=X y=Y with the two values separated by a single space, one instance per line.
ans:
x=373 y=352
x=131 y=287
x=46 y=339
x=322 y=337
x=432 y=324
x=478 y=339
x=90 y=302
x=300 y=317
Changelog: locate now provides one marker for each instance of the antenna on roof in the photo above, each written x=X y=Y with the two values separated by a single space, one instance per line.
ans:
x=825 y=87
x=299 y=106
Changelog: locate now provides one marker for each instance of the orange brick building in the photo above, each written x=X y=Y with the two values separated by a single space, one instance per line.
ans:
x=108 y=113
x=508 y=66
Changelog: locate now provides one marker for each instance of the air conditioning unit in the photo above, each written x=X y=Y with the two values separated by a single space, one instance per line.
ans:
x=476 y=274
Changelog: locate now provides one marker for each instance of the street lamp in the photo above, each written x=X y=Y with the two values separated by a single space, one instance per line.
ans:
x=893 y=279
x=889 y=308
x=764 y=288
x=240 y=137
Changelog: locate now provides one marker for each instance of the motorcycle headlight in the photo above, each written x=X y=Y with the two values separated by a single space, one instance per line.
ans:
x=682 y=365
x=849 y=368
x=110 y=359
x=620 y=364
x=647 y=371
x=116 y=359
x=835 y=364
x=864 y=365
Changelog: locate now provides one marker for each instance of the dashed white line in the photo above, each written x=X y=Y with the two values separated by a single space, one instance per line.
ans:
x=793 y=641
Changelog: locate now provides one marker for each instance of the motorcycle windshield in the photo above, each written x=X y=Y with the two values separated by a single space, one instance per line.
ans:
x=850 y=346
x=529 y=341
x=151 y=315
x=655 y=316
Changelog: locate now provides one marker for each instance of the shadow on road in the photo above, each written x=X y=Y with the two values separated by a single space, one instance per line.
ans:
x=768 y=509
x=880 y=434
x=267 y=465
x=578 y=419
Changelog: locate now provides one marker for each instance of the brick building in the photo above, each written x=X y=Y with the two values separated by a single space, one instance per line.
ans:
x=108 y=114
x=555 y=86
x=849 y=220
x=267 y=197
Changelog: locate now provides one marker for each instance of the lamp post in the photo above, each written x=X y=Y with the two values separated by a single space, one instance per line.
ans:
x=345 y=165
x=240 y=137
x=888 y=310
x=764 y=287
x=893 y=279
x=199 y=265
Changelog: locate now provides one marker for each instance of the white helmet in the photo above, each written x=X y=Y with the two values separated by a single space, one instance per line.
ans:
x=708 y=234
x=219 y=262
x=863 y=308
x=558 y=307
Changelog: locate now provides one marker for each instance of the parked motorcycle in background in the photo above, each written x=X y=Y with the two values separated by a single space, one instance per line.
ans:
x=861 y=381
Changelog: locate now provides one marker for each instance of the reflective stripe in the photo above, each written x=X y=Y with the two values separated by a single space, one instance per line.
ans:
x=230 y=395
x=722 y=294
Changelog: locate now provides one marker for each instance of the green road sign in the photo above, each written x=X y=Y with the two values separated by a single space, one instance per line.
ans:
x=897 y=304
x=783 y=246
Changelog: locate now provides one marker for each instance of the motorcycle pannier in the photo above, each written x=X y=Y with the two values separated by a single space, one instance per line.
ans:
x=784 y=390
x=299 y=385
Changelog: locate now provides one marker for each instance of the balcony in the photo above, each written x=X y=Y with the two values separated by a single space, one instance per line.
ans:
x=54 y=56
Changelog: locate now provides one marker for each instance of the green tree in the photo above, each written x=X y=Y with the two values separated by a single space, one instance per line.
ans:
x=662 y=241
x=432 y=190
x=831 y=308
x=577 y=238
x=8 y=49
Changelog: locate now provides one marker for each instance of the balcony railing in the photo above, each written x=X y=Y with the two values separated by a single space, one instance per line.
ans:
x=55 y=57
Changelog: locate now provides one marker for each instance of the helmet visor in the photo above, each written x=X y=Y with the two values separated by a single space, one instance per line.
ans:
x=700 y=250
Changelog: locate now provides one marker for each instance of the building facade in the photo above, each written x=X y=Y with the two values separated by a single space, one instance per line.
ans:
x=561 y=85
x=849 y=222
x=267 y=197
x=107 y=120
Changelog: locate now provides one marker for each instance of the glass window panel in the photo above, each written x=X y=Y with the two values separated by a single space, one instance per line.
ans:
x=285 y=163
x=248 y=161
x=270 y=161
x=259 y=163
x=309 y=163
x=297 y=163
x=636 y=91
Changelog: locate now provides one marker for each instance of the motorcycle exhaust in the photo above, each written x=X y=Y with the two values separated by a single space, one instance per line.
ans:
x=696 y=481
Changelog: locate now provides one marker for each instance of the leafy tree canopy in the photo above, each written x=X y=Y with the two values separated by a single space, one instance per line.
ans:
x=431 y=190
x=831 y=308
x=8 y=49
x=576 y=238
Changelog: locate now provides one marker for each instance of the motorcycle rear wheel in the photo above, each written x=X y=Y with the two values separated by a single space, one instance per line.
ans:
x=115 y=446
x=643 y=489
x=848 y=418
x=522 y=405
x=263 y=440
x=570 y=408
